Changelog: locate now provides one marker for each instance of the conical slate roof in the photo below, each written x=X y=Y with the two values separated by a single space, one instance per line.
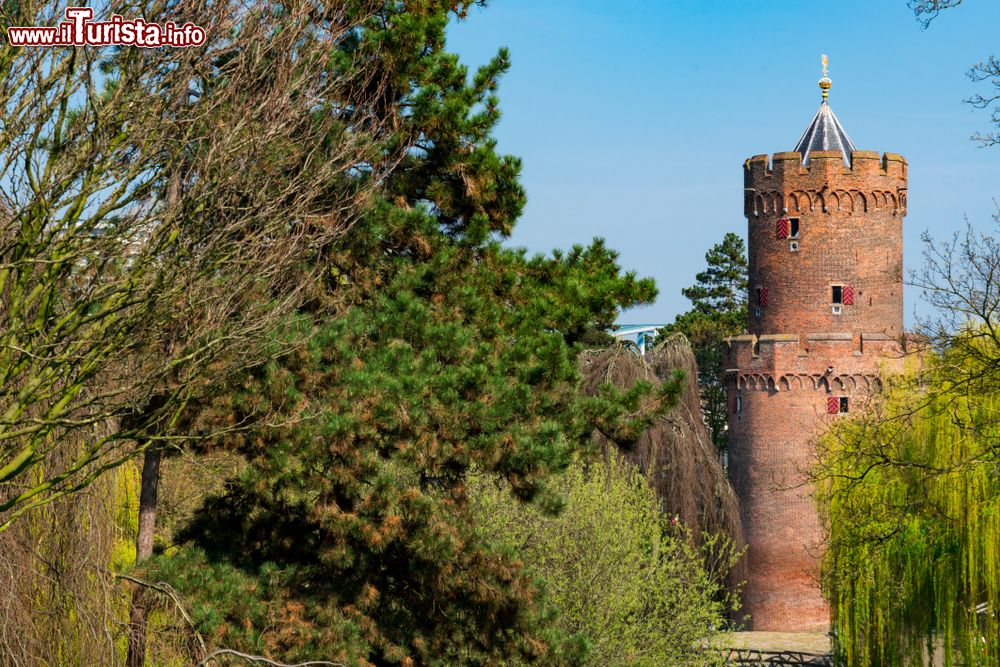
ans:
x=825 y=133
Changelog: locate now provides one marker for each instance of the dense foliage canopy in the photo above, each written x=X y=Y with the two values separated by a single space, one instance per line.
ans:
x=434 y=352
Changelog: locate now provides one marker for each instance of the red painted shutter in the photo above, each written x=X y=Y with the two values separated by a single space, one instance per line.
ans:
x=782 y=229
x=832 y=405
x=848 y=295
x=762 y=297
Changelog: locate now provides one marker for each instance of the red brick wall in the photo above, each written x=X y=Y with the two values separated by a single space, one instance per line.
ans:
x=799 y=353
x=851 y=233
x=768 y=463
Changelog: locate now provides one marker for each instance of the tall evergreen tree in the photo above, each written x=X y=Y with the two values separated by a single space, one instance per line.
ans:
x=722 y=286
x=719 y=309
x=435 y=352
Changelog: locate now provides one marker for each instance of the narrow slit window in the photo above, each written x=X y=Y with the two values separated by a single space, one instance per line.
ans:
x=793 y=227
x=838 y=294
x=739 y=407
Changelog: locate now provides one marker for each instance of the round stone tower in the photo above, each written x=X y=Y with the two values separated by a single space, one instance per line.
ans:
x=826 y=322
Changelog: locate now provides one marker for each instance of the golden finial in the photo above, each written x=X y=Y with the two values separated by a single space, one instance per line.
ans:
x=825 y=83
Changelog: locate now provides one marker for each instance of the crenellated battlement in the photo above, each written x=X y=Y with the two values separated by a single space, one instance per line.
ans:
x=863 y=163
x=872 y=183
x=776 y=355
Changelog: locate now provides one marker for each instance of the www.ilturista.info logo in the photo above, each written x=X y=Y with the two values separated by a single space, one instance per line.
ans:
x=79 y=30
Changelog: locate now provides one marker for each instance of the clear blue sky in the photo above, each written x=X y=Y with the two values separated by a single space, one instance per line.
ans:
x=633 y=119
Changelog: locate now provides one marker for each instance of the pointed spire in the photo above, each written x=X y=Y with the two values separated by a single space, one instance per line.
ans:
x=825 y=133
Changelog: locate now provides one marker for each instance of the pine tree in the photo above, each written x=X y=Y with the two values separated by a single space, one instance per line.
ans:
x=722 y=286
x=719 y=309
x=434 y=353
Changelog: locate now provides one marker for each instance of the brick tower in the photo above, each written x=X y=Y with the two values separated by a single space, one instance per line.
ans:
x=826 y=317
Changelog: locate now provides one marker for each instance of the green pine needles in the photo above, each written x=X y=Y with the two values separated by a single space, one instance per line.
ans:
x=434 y=353
x=718 y=309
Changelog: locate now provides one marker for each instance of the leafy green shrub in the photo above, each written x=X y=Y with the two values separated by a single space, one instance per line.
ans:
x=622 y=576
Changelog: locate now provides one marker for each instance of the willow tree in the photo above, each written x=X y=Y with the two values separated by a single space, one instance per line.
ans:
x=153 y=212
x=911 y=489
x=913 y=502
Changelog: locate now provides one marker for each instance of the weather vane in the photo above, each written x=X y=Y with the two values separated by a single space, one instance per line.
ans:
x=824 y=83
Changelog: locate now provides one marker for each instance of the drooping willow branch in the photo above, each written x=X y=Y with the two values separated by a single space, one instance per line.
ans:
x=118 y=307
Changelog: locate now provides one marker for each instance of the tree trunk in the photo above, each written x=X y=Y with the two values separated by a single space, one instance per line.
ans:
x=143 y=549
x=148 y=487
x=147 y=503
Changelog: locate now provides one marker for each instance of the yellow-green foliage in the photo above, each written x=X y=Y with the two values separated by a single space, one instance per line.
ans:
x=620 y=574
x=57 y=598
x=912 y=494
x=126 y=503
x=168 y=634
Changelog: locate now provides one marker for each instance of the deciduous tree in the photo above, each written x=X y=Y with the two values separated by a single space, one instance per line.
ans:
x=910 y=485
x=116 y=302
x=623 y=577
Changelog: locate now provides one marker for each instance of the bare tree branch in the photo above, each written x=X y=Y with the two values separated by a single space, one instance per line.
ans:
x=988 y=70
x=167 y=590
x=117 y=305
x=928 y=10
x=262 y=660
